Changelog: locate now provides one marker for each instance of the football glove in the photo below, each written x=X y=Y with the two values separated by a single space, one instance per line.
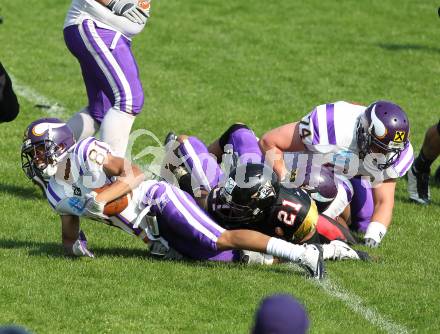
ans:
x=94 y=209
x=374 y=235
x=79 y=248
x=134 y=10
x=339 y=250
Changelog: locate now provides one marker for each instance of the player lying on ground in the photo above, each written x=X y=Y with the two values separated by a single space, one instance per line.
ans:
x=199 y=174
x=76 y=170
x=368 y=141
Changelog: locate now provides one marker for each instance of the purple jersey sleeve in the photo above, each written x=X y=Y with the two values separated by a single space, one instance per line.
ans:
x=402 y=165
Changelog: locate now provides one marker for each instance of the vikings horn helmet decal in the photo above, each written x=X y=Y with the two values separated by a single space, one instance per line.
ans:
x=45 y=143
x=383 y=128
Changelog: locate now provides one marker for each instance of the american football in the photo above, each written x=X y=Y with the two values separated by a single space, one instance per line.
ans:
x=116 y=206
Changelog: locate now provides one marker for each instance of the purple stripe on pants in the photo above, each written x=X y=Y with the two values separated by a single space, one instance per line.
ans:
x=136 y=231
x=330 y=110
x=362 y=204
x=111 y=75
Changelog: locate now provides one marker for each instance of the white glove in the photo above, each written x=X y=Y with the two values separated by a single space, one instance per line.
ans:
x=79 y=248
x=94 y=209
x=374 y=235
x=339 y=250
x=131 y=9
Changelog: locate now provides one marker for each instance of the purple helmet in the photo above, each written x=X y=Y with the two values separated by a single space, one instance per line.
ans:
x=45 y=143
x=383 y=128
x=321 y=187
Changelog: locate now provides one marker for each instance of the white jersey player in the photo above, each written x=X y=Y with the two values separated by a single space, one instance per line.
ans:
x=70 y=188
x=359 y=141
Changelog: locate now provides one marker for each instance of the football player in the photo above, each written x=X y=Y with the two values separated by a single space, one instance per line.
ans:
x=76 y=170
x=198 y=173
x=98 y=33
x=368 y=141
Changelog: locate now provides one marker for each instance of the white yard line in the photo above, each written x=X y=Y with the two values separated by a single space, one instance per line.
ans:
x=28 y=93
x=356 y=304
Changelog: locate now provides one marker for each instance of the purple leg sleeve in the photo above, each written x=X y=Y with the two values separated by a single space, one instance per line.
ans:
x=362 y=204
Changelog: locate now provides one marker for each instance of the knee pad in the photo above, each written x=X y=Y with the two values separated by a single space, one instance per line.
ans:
x=224 y=138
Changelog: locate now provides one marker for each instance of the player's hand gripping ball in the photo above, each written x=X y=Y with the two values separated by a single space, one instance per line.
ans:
x=116 y=206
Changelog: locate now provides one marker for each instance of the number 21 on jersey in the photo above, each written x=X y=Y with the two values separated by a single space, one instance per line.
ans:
x=288 y=215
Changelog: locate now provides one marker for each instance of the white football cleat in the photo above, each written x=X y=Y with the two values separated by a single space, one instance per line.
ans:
x=418 y=186
x=312 y=261
x=339 y=250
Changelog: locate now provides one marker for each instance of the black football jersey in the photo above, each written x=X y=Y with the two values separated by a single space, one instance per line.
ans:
x=295 y=212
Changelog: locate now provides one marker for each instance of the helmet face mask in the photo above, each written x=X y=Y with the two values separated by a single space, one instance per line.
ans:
x=234 y=212
x=383 y=132
x=236 y=204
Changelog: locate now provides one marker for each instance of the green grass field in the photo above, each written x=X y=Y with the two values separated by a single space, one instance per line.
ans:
x=204 y=65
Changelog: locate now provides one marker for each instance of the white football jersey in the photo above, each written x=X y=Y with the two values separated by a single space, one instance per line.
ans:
x=79 y=173
x=343 y=197
x=81 y=10
x=331 y=129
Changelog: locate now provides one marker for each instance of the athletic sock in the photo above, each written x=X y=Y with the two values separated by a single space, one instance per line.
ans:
x=115 y=130
x=422 y=163
x=82 y=125
x=284 y=249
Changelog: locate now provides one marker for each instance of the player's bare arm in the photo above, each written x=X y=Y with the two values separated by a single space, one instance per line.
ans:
x=69 y=232
x=273 y=143
x=74 y=240
x=129 y=177
x=383 y=196
x=384 y=202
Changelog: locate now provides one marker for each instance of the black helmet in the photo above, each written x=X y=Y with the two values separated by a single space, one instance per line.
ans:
x=246 y=196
